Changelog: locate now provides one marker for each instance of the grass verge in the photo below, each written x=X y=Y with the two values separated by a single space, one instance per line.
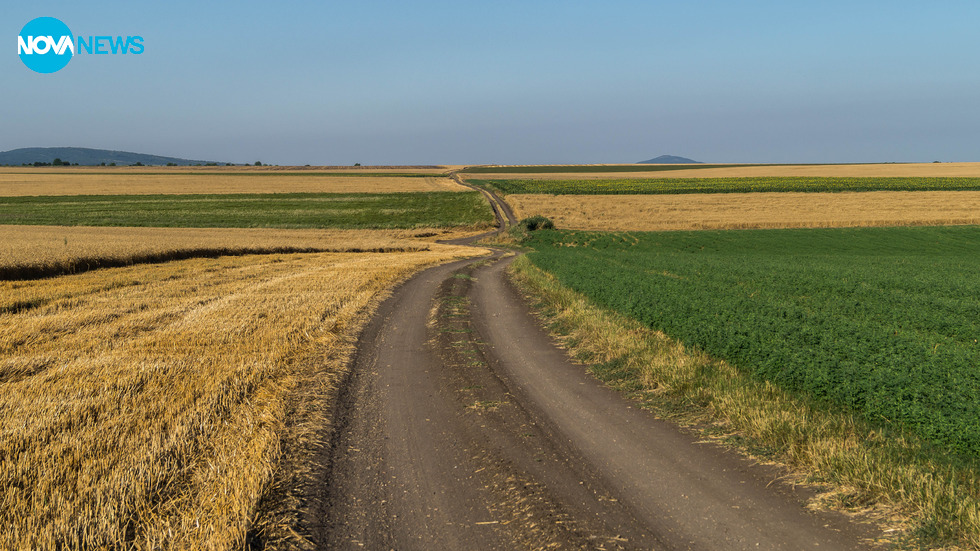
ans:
x=925 y=499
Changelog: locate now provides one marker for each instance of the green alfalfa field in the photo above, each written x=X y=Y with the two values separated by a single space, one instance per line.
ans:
x=850 y=354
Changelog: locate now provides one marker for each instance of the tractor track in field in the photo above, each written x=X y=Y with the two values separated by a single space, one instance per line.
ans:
x=463 y=425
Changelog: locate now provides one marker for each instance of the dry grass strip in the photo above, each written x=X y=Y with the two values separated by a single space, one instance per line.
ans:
x=752 y=210
x=37 y=251
x=79 y=182
x=144 y=407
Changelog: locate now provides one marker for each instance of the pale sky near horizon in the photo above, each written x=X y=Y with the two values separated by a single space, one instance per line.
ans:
x=431 y=82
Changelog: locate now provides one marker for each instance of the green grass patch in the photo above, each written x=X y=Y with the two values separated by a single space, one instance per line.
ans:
x=883 y=322
x=926 y=497
x=287 y=210
x=659 y=186
x=560 y=169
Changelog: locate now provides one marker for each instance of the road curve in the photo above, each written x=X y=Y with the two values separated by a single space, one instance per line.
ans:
x=463 y=426
x=501 y=209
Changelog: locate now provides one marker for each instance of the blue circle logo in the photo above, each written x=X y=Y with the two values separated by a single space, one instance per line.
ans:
x=45 y=45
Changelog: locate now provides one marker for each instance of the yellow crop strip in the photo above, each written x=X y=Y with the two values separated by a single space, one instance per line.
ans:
x=80 y=182
x=30 y=251
x=751 y=210
x=143 y=407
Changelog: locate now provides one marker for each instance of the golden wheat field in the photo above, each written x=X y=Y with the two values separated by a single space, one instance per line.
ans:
x=751 y=210
x=84 y=182
x=30 y=251
x=907 y=170
x=247 y=169
x=143 y=407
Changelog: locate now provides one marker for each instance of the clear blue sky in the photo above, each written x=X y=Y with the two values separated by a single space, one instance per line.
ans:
x=296 y=82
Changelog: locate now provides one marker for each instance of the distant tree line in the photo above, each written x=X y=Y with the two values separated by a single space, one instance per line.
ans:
x=56 y=162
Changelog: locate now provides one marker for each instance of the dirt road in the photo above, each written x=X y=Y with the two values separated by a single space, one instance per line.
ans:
x=501 y=209
x=463 y=426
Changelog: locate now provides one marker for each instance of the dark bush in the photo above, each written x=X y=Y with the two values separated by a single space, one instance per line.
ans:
x=535 y=223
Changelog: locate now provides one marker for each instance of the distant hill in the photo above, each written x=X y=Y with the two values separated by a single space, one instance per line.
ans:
x=669 y=160
x=86 y=157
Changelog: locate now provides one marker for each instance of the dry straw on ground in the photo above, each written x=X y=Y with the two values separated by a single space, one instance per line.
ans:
x=32 y=251
x=84 y=182
x=921 y=170
x=144 y=407
x=751 y=210
x=239 y=169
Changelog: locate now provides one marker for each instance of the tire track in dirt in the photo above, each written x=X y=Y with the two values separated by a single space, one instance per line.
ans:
x=501 y=209
x=464 y=426
x=434 y=452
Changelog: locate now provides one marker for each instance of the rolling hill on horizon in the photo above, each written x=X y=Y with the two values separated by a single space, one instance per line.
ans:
x=669 y=160
x=87 y=157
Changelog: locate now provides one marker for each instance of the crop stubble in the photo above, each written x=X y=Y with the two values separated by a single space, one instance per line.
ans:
x=76 y=182
x=143 y=407
x=32 y=251
x=751 y=210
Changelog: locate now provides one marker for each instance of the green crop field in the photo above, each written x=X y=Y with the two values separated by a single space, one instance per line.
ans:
x=883 y=322
x=287 y=210
x=655 y=186
x=557 y=169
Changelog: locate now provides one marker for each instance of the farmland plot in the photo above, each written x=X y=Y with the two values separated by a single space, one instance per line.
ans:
x=882 y=322
x=269 y=210
x=38 y=251
x=752 y=210
x=674 y=186
x=79 y=181
x=144 y=407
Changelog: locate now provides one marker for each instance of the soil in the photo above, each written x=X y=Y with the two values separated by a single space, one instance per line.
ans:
x=464 y=425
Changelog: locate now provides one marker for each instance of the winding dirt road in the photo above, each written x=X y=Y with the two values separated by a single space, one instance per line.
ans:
x=464 y=426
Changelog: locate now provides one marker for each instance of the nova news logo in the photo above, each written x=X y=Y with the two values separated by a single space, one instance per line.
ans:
x=46 y=45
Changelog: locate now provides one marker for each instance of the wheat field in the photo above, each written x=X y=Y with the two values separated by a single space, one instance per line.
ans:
x=237 y=169
x=32 y=251
x=85 y=182
x=144 y=407
x=751 y=210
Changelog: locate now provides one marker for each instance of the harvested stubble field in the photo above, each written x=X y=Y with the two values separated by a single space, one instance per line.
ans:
x=88 y=182
x=37 y=251
x=275 y=169
x=885 y=170
x=145 y=407
x=751 y=210
x=386 y=170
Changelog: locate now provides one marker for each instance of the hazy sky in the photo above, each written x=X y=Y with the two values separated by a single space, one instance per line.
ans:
x=417 y=82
